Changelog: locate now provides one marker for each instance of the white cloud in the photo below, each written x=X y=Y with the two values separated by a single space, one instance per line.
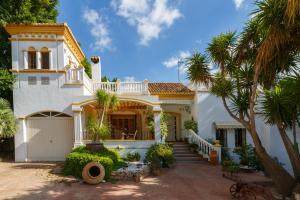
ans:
x=149 y=17
x=238 y=3
x=177 y=61
x=98 y=29
x=129 y=79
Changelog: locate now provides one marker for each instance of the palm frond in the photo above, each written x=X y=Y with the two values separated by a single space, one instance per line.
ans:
x=198 y=69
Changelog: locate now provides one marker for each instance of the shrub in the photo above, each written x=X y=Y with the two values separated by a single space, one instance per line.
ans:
x=131 y=157
x=230 y=166
x=248 y=157
x=79 y=157
x=76 y=161
x=193 y=147
x=160 y=155
x=112 y=154
x=191 y=124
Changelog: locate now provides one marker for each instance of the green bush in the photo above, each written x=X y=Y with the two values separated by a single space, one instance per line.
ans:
x=112 y=154
x=191 y=124
x=230 y=166
x=160 y=155
x=248 y=157
x=131 y=157
x=79 y=157
x=76 y=161
x=193 y=147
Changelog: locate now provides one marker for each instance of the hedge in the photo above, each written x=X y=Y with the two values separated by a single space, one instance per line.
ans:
x=79 y=157
x=76 y=161
x=112 y=154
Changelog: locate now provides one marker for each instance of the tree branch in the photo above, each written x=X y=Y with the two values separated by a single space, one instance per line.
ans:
x=242 y=121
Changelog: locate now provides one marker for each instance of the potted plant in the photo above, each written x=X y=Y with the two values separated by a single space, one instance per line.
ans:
x=193 y=147
x=98 y=129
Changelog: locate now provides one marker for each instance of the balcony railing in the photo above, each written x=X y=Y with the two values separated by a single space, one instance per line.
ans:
x=78 y=76
x=123 y=87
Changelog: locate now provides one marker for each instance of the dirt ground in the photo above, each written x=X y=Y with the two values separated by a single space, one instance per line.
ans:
x=185 y=181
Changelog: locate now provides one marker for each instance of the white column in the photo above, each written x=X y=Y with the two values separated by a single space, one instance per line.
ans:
x=25 y=59
x=157 y=135
x=50 y=60
x=21 y=141
x=78 y=128
x=38 y=60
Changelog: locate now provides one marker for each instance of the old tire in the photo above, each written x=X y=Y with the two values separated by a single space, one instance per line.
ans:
x=93 y=173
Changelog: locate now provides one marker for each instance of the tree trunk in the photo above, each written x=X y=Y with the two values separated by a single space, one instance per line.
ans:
x=292 y=153
x=295 y=133
x=283 y=181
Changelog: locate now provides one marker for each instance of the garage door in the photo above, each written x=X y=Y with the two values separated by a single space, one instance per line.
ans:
x=50 y=136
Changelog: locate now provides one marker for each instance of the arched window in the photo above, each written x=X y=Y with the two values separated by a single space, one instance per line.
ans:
x=45 y=62
x=50 y=114
x=31 y=58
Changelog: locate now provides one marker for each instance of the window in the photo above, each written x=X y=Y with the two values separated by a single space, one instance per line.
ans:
x=32 y=58
x=50 y=114
x=221 y=135
x=31 y=80
x=45 y=80
x=45 y=58
x=240 y=137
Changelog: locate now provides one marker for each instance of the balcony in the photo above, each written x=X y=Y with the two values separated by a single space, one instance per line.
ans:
x=123 y=87
x=78 y=76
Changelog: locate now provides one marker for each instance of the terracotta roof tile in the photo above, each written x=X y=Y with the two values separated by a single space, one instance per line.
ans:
x=169 y=88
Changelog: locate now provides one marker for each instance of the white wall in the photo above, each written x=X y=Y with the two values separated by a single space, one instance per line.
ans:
x=18 y=47
x=209 y=109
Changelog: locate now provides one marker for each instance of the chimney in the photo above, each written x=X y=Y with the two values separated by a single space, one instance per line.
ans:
x=96 y=69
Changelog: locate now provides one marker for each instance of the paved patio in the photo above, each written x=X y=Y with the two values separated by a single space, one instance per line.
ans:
x=185 y=181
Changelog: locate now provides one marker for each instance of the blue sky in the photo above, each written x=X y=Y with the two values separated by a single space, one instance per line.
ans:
x=143 y=39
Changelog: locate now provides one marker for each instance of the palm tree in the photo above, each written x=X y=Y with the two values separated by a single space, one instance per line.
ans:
x=220 y=49
x=105 y=101
x=98 y=128
x=235 y=86
x=198 y=69
x=7 y=120
x=277 y=110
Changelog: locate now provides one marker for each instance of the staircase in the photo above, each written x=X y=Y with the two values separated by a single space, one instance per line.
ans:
x=182 y=153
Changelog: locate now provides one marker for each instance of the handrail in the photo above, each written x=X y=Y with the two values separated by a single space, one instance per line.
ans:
x=204 y=147
x=123 y=87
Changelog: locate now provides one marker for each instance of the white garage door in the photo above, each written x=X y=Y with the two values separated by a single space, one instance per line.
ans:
x=50 y=136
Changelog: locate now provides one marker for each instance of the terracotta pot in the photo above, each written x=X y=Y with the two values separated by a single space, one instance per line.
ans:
x=213 y=157
x=93 y=173
x=95 y=146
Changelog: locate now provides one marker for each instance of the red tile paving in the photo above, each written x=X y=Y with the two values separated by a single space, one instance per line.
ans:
x=184 y=182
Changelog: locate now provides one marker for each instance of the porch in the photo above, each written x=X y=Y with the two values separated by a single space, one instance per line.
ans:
x=129 y=123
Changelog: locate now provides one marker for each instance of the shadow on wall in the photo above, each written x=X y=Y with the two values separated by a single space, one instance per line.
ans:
x=210 y=109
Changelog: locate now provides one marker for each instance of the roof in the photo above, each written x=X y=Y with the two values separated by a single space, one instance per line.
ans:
x=169 y=88
x=61 y=29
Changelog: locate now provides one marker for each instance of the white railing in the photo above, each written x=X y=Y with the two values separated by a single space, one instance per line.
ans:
x=74 y=75
x=87 y=82
x=204 y=147
x=123 y=87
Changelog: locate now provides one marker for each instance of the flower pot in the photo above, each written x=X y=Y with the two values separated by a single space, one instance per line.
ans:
x=213 y=157
x=95 y=146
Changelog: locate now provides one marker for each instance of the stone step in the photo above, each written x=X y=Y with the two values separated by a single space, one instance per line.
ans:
x=187 y=158
x=185 y=155
x=188 y=161
x=176 y=148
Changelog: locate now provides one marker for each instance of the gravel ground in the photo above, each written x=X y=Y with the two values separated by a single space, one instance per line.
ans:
x=35 y=181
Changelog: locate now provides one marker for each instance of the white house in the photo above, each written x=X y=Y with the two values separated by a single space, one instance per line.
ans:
x=53 y=97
